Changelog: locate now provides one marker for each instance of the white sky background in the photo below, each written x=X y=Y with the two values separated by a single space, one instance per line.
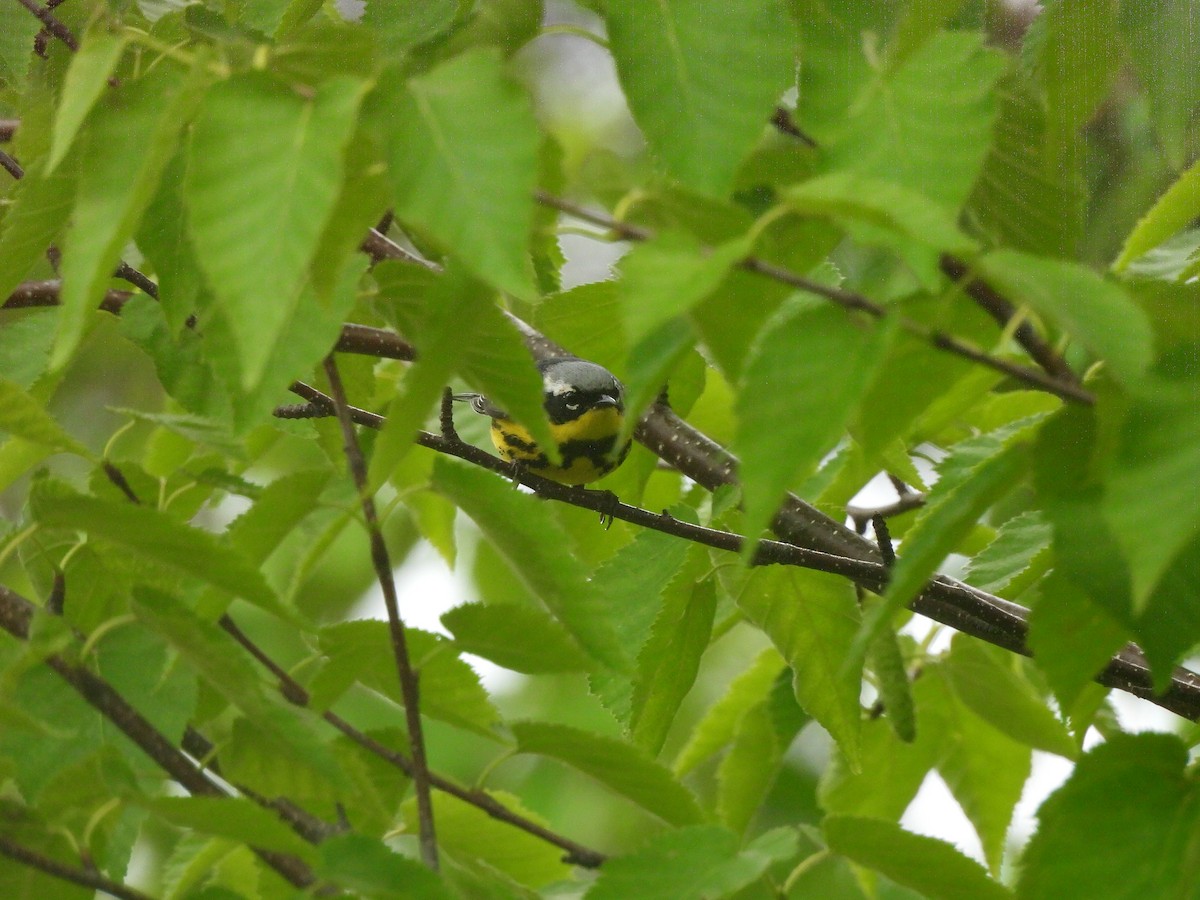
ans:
x=576 y=92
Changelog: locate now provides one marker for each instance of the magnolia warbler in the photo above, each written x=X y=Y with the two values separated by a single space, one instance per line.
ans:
x=586 y=407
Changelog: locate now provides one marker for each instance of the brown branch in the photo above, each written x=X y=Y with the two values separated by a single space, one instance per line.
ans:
x=1000 y=309
x=11 y=166
x=295 y=693
x=409 y=687
x=55 y=27
x=850 y=300
x=8 y=129
x=87 y=878
x=16 y=615
x=960 y=606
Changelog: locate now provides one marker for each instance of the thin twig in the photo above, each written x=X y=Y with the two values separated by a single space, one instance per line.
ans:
x=785 y=122
x=16 y=615
x=409 y=687
x=295 y=693
x=1002 y=310
x=962 y=607
x=55 y=27
x=11 y=166
x=850 y=300
x=88 y=878
x=908 y=501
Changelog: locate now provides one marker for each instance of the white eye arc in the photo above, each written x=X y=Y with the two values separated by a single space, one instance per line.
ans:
x=572 y=405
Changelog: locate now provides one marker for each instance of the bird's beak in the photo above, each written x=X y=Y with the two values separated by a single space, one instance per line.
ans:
x=606 y=400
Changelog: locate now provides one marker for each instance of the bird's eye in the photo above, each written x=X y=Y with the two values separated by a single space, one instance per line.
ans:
x=571 y=400
x=571 y=406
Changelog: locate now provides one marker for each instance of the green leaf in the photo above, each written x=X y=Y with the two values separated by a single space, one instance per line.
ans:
x=892 y=771
x=1122 y=826
x=934 y=868
x=1177 y=208
x=86 y=79
x=361 y=650
x=985 y=770
x=812 y=618
x=517 y=637
x=978 y=472
x=995 y=693
x=368 y=868
x=159 y=538
x=1095 y=311
x=282 y=730
x=236 y=818
x=1160 y=39
x=623 y=768
x=698 y=863
x=23 y=417
x=886 y=660
x=724 y=68
x=127 y=142
x=670 y=658
x=748 y=770
x=919 y=22
x=1077 y=58
x=926 y=126
x=719 y=724
x=278 y=510
x=18 y=28
x=668 y=275
x=471 y=837
x=1071 y=637
x=401 y=26
x=255 y=216
x=1025 y=198
x=1021 y=543
x=808 y=372
x=475 y=196
x=850 y=198
x=520 y=528
x=40 y=208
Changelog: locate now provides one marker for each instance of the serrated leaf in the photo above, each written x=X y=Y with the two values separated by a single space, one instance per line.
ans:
x=973 y=477
x=668 y=275
x=520 y=528
x=1096 y=312
x=887 y=662
x=471 y=837
x=255 y=216
x=1077 y=59
x=368 y=868
x=401 y=26
x=724 y=68
x=808 y=372
x=40 y=208
x=361 y=650
x=812 y=618
x=1120 y=826
x=934 y=868
x=85 y=81
x=719 y=724
x=985 y=770
x=850 y=198
x=23 y=417
x=517 y=637
x=474 y=196
x=18 y=28
x=127 y=142
x=227 y=669
x=1177 y=208
x=621 y=767
x=1008 y=703
x=236 y=818
x=698 y=863
x=159 y=538
x=926 y=126
x=892 y=771
x=276 y=512
x=748 y=770
x=1019 y=543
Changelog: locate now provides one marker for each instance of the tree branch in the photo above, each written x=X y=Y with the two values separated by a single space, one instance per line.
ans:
x=75 y=874
x=55 y=27
x=849 y=300
x=409 y=687
x=16 y=615
x=962 y=607
x=1000 y=309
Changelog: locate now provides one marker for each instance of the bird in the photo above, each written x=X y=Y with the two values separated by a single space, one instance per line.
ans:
x=586 y=406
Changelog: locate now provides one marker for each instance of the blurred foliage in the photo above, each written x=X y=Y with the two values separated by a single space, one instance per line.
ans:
x=674 y=707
